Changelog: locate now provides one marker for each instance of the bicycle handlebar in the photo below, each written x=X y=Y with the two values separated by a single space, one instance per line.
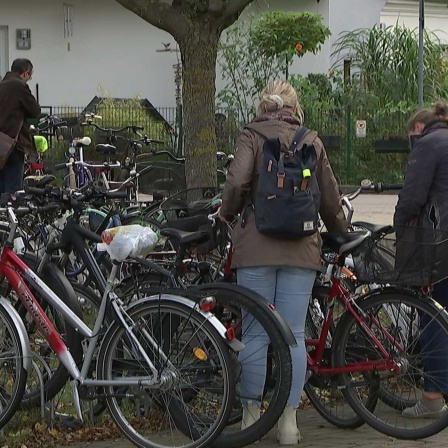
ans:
x=113 y=131
x=87 y=165
x=379 y=187
x=366 y=185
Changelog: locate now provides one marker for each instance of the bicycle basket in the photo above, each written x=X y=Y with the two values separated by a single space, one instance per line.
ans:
x=412 y=256
x=163 y=178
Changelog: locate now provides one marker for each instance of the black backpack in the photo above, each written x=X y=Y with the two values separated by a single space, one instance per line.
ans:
x=287 y=199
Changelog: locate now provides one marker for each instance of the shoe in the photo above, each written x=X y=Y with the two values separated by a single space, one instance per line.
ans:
x=288 y=433
x=426 y=409
x=251 y=413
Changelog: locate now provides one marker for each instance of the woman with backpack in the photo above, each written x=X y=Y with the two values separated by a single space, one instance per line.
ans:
x=272 y=256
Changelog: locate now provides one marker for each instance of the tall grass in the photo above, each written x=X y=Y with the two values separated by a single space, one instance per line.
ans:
x=386 y=63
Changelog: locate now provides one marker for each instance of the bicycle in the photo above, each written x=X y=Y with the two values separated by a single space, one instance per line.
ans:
x=153 y=374
x=370 y=345
x=235 y=305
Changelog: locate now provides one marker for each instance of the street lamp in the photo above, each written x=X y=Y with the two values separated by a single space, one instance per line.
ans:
x=421 y=50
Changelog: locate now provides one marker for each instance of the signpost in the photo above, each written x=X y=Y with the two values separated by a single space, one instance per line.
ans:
x=361 y=128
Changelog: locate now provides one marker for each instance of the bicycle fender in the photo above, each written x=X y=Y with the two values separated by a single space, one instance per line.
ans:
x=20 y=326
x=271 y=311
x=234 y=344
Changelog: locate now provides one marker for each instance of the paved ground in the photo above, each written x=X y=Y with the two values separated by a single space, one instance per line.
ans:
x=316 y=432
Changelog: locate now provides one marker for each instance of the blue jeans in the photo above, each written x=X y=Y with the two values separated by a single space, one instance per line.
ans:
x=289 y=289
x=434 y=345
x=11 y=176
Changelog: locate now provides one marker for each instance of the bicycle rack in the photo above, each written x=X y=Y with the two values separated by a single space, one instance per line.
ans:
x=42 y=389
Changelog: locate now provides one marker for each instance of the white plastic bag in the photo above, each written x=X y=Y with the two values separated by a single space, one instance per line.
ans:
x=127 y=241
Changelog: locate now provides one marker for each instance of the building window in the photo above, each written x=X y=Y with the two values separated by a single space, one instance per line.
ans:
x=68 y=21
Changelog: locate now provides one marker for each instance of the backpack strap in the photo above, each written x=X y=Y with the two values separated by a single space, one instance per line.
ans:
x=297 y=138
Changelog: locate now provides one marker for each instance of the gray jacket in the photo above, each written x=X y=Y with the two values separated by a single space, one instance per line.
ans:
x=424 y=198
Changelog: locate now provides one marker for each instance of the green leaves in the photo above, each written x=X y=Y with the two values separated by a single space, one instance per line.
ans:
x=278 y=33
x=245 y=71
x=253 y=55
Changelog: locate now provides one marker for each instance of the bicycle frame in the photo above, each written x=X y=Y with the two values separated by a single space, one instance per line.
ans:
x=314 y=362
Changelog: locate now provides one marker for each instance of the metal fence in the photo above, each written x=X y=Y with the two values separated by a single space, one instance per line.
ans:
x=379 y=152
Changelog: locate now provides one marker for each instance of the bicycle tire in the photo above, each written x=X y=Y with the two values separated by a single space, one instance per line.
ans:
x=15 y=369
x=201 y=435
x=238 y=297
x=234 y=296
x=60 y=285
x=385 y=395
x=371 y=307
x=322 y=391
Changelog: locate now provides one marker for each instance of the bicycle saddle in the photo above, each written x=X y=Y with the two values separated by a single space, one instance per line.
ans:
x=344 y=243
x=106 y=149
x=190 y=224
x=374 y=228
x=187 y=238
x=113 y=185
x=38 y=181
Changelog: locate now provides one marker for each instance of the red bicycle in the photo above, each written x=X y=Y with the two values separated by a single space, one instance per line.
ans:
x=377 y=346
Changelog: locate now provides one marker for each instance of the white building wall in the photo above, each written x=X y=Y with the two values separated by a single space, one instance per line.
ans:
x=111 y=47
x=406 y=12
x=349 y=15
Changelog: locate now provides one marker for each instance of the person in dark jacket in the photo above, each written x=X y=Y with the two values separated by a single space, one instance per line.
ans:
x=423 y=202
x=282 y=271
x=17 y=104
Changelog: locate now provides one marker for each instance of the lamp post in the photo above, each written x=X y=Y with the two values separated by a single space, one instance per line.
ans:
x=421 y=50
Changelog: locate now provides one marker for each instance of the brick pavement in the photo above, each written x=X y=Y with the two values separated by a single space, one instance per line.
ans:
x=316 y=432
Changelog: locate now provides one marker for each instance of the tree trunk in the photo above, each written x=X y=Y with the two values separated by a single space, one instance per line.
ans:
x=199 y=53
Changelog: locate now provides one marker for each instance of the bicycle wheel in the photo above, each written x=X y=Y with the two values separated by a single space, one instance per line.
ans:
x=13 y=375
x=353 y=342
x=323 y=391
x=239 y=307
x=59 y=374
x=192 y=407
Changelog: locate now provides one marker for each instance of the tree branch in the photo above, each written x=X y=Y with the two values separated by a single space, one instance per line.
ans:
x=162 y=15
x=235 y=8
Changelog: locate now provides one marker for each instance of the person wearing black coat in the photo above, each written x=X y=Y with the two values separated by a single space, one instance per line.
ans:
x=422 y=208
x=17 y=104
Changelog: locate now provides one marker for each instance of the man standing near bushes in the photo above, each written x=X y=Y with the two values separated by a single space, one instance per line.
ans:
x=17 y=104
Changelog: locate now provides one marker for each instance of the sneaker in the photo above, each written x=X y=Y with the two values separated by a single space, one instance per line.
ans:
x=426 y=409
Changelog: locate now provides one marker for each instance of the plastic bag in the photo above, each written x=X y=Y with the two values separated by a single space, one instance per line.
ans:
x=127 y=241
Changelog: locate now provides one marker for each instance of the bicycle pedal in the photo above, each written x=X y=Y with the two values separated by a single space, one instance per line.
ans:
x=76 y=400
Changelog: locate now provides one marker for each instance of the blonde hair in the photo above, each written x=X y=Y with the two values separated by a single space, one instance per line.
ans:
x=425 y=115
x=277 y=95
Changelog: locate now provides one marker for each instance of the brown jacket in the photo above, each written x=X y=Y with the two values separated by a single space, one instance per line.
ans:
x=251 y=248
x=16 y=105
